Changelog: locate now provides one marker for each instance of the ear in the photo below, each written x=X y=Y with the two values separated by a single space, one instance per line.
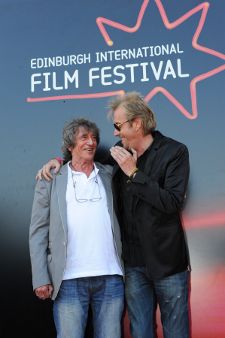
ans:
x=70 y=149
x=137 y=123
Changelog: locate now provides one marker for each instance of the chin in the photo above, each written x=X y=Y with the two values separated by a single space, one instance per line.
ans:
x=125 y=144
x=89 y=157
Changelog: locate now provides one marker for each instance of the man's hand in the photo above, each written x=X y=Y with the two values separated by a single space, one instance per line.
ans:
x=45 y=171
x=125 y=160
x=44 y=291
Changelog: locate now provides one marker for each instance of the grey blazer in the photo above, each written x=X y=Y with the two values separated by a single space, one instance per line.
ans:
x=48 y=228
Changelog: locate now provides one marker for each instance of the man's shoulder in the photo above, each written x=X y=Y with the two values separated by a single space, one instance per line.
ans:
x=166 y=141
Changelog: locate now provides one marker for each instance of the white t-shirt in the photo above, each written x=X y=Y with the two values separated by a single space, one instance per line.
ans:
x=90 y=249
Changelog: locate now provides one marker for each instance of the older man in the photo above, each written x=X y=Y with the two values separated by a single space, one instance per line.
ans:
x=75 y=245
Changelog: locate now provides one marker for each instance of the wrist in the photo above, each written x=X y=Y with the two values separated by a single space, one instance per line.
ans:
x=59 y=159
x=133 y=173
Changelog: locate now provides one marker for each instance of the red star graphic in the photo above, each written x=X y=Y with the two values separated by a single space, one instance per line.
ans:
x=203 y=7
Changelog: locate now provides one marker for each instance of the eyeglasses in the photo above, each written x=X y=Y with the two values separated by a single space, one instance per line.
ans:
x=119 y=125
x=83 y=200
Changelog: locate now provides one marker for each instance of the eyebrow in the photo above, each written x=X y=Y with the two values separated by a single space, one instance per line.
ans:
x=85 y=133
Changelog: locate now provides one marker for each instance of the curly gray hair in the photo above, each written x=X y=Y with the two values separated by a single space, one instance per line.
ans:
x=70 y=131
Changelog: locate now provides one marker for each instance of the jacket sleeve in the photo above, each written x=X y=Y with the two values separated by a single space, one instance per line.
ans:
x=167 y=191
x=38 y=234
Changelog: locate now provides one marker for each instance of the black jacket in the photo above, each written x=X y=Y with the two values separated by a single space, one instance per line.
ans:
x=158 y=196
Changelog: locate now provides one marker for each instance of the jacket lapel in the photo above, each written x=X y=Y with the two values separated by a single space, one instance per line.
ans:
x=61 y=186
x=153 y=152
x=107 y=184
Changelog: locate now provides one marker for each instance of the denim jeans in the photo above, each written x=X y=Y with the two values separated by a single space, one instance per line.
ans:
x=143 y=295
x=105 y=295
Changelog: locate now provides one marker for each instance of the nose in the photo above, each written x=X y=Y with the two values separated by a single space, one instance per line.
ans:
x=116 y=132
x=90 y=141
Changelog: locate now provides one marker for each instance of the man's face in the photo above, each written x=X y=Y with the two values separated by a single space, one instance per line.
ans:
x=127 y=132
x=85 y=145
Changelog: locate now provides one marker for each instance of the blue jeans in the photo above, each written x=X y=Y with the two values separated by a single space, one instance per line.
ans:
x=105 y=295
x=143 y=295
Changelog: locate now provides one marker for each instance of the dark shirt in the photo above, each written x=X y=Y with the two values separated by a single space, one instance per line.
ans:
x=149 y=209
x=132 y=251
